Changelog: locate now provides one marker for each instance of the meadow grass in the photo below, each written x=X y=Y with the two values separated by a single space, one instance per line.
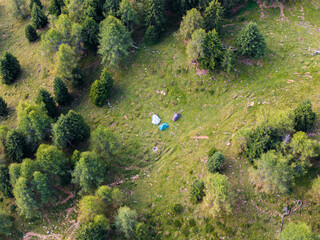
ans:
x=158 y=79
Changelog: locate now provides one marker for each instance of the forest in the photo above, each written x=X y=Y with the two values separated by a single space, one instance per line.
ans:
x=159 y=119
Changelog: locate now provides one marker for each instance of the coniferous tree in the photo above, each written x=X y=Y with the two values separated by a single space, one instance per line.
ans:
x=228 y=61
x=115 y=41
x=70 y=129
x=212 y=51
x=127 y=14
x=39 y=20
x=304 y=117
x=9 y=68
x=35 y=2
x=90 y=33
x=77 y=77
x=15 y=145
x=213 y=16
x=45 y=97
x=55 y=7
x=251 y=42
x=31 y=33
x=151 y=35
x=3 y=107
x=154 y=12
x=195 y=47
x=42 y=185
x=61 y=93
x=190 y=22
x=111 y=7
x=5 y=186
x=65 y=61
x=100 y=89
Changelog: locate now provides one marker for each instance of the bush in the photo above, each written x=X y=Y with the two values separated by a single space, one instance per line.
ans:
x=31 y=33
x=45 y=97
x=101 y=89
x=142 y=231
x=176 y=209
x=304 y=117
x=151 y=35
x=228 y=61
x=3 y=107
x=15 y=145
x=61 y=93
x=94 y=230
x=9 y=68
x=197 y=191
x=39 y=20
x=251 y=42
x=212 y=151
x=215 y=162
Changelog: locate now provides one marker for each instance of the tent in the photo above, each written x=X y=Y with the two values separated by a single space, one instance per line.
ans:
x=155 y=119
x=176 y=117
x=163 y=126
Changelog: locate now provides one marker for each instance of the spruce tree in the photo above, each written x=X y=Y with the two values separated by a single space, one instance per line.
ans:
x=15 y=145
x=31 y=33
x=9 y=68
x=61 y=93
x=35 y=2
x=45 y=97
x=55 y=7
x=213 y=16
x=3 y=107
x=251 y=42
x=100 y=89
x=90 y=34
x=39 y=20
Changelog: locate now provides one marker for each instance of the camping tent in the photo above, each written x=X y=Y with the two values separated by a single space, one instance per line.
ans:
x=155 y=119
x=163 y=126
x=176 y=117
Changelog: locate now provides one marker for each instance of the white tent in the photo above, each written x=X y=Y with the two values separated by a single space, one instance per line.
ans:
x=155 y=119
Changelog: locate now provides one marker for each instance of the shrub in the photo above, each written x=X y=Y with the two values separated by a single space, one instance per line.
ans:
x=298 y=230
x=31 y=33
x=304 y=117
x=215 y=162
x=15 y=145
x=197 y=191
x=61 y=93
x=176 y=209
x=45 y=97
x=100 y=89
x=9 y=68
x=195 y=47
x=95 y=230
x=39 y=20
x=3 y=107
x=212 y=151
x=151 y=35
x=314 y=192
x=251 y=42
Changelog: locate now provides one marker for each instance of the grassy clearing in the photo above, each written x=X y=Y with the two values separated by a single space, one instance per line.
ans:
x=158 y=79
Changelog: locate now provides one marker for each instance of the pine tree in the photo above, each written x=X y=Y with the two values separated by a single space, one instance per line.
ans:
x=45 y=97
x=100 y=89
x=39 y=20
x=31 y=33
x=9 y=68
x=3 y=107
x=61 y=93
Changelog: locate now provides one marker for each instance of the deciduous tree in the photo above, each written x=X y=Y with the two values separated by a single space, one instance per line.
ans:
x=190 y=22
x=65 y=61
x=126 y=221
x=195 y=47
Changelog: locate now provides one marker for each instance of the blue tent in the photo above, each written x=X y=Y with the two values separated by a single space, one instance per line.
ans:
x=163 y=126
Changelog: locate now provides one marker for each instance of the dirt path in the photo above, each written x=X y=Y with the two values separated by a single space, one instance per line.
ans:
x=262 y=5
x=29 y=235
x=71 y=196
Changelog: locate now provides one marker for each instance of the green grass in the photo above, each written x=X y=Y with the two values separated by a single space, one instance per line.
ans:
x=215 y=106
